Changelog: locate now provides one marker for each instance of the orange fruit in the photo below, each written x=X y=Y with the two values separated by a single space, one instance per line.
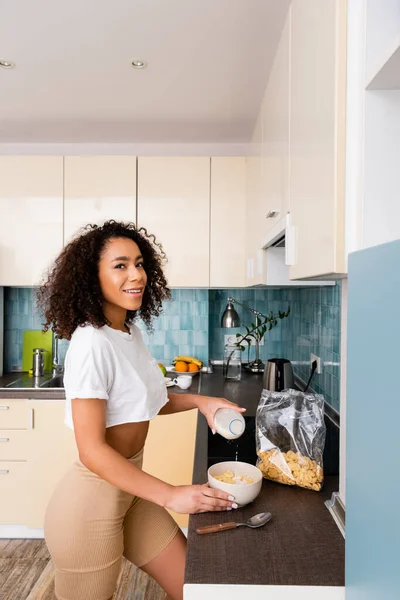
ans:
x=181 y=366
x=193 y=368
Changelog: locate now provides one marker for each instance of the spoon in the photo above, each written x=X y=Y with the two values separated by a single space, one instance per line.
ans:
x=253 y=522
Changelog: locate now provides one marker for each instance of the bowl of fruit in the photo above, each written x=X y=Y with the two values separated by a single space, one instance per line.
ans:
x=186 y=364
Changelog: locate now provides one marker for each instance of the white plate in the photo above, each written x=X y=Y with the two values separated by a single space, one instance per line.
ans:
x=168 y=382
x=172 y=370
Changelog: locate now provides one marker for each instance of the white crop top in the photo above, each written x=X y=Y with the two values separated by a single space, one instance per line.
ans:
x=117 y=367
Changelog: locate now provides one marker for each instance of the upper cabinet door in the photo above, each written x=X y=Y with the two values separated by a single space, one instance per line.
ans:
x=275 y=136
x=255 y=211
x=174 y=205
x=228 y=218
x=317 y=136
x=31 y=210
x=98 y=188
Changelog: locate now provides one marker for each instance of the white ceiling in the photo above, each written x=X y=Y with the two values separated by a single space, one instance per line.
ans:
x=208 y=66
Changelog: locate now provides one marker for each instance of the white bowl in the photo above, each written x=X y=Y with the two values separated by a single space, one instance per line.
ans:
x=243 y=493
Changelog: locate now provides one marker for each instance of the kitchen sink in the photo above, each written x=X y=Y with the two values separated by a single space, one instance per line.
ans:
x=242 y=449
x=54 y=382
x=28 y=382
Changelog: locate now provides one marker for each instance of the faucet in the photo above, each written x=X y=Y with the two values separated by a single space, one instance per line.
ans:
x=57 y=369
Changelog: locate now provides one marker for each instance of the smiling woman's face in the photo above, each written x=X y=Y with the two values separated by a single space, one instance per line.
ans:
x=122 y=277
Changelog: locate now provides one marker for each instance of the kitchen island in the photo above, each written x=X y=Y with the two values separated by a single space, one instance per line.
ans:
x=298 y=554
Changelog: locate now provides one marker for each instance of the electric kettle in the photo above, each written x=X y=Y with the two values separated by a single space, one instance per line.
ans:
x=278 y=375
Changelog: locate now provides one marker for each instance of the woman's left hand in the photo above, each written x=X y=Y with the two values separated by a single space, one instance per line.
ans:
x=208 y=406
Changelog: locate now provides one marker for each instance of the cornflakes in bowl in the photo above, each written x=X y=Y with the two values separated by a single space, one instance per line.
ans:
x=240 y=479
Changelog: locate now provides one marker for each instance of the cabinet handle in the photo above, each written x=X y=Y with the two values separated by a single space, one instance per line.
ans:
x=4 y=439
x=4 y=471
x=31 y=418
x=272 y=214
x=291 y=241
x=4 y=407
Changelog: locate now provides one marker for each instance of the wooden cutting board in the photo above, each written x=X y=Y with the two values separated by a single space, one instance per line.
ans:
x=35 y=338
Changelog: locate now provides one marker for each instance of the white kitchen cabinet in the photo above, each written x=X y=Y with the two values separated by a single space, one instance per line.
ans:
x=317 y=137
x=174 y=205
x=228 y=217
x=98 y=188
x=36 y=449
x=15 y=421
x=15 y=414
x=13 y=489
x=275 y=137
x=31 y=210
x=52 y=450
x=267 y=193
x=14 y=444
x=255 y=211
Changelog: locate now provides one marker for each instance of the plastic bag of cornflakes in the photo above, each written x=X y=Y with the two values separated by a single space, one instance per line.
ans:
x=290 y=437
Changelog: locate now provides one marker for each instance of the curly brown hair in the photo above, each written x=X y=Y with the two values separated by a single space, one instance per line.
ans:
x=71 y=295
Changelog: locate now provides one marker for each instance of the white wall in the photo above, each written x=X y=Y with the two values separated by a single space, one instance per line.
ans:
x=372 y=152
x=381 y=210
x=383 y=27
x=372 y=129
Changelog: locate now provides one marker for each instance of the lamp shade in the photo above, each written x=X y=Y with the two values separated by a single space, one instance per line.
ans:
x=230 y=318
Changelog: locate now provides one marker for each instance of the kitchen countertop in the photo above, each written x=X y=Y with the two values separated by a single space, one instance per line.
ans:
x=37 y=392
x=300 y=546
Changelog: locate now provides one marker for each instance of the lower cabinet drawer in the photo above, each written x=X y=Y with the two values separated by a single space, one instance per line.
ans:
x=15 y=414
x=13 y=444
x=14 y=492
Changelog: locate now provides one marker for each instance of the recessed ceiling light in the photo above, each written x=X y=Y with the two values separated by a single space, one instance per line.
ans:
x=139 y=64
x=6 y=64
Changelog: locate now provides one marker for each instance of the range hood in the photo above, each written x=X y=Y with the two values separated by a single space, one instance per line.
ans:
x=279 y=256
x=278 y=271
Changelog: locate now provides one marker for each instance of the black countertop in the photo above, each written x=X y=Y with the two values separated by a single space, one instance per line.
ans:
x=301 y=545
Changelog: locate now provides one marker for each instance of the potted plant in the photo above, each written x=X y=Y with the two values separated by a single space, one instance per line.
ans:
x=256 y=332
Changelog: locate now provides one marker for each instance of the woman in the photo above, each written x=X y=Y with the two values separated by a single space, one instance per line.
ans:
x=106 y=507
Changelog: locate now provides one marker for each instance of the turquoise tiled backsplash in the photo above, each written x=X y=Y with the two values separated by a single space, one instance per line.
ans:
x=181 y=329
x=314 y=326
x=191 y=324
x=263 y=300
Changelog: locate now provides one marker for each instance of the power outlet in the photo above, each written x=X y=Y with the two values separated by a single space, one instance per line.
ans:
x=230 y=340
x=317 y=358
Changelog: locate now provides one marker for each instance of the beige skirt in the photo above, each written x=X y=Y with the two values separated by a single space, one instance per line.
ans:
x=90 y=525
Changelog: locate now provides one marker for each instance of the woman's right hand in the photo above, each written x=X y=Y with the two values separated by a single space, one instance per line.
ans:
x=191 y=499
